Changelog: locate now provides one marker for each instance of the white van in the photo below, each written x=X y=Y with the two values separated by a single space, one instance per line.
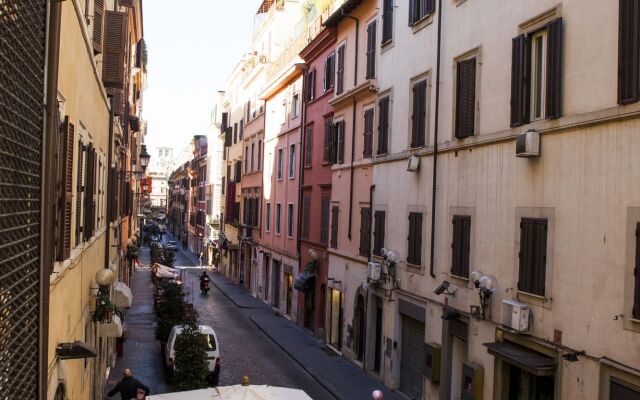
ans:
x=213 y=351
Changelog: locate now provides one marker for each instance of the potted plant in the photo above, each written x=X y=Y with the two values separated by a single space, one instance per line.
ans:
x=105 y=309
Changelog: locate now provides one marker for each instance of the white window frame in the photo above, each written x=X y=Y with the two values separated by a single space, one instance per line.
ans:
x=292 y=161
x=290 y=221
x=295 y=102
x=279 y=162
x=538 y=76
x=278 y=217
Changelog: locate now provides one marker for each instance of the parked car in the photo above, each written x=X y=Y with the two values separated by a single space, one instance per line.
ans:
x=172 y=245
x=213 y=351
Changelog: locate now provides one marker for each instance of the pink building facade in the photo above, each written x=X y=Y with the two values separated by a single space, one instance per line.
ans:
x=315 y=184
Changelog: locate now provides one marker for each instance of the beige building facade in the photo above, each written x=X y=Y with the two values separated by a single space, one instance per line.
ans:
x=551 y=234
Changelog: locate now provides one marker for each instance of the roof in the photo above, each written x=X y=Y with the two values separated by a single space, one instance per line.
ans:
x=344 y=9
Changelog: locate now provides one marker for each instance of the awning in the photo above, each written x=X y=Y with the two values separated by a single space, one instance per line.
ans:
x=524 y=358
x=304 y=281
x=123 y=296
x=75 y=350
x=236 y=392
x=111 y=329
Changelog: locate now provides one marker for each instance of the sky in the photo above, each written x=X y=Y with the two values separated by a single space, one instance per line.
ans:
x=192 y=48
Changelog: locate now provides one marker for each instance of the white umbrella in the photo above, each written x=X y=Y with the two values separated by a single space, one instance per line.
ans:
x=236 y=392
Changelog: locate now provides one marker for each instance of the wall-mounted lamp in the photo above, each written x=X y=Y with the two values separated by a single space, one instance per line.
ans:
x=444 y=289
x=487 y=285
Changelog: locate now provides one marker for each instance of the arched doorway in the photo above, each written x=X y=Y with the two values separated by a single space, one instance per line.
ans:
x=359 y=327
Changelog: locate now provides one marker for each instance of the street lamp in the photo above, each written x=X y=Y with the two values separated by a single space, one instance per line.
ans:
x=144 y=162
x=105 y=278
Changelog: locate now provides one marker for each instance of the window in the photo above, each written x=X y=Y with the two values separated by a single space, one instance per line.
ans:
x=278 y=219
x=294 y=105
x=383 y=125
x=235 y=133
x=223 y=179
x=238 y=175
x=338 y=141
x=308 y=146
x=292 y=161
x=259 y=155
x=619 y=390
x=636 y=295
x=290 y=220
x=335 y=210
x=371 y=50
x=378 y=232
x=365 y=231
x=465 y=98
x=248 y=111
x=461 y=245
x=306 y=216
x=368 y=134
x=80 y=178
x=324 y=220
x=387 y=21
x=533 y=255
x=415 y=239
x=253 y=146
x=336 y=315
x=310 y=92
x=419 y=9
x=340 y=71
x=536 y=75
x=628 y=53
x=280 y=163
x=419 y=114
x=241 y=129
x=329 y=72
x=267 y=218
x=246 y=160
x=329 y=128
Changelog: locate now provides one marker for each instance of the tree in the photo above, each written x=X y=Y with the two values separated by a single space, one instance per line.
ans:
x=171 y=309
x=190 y=361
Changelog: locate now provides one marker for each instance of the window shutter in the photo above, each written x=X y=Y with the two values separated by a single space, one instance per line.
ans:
x=378 y=234
x=308 y=147
x=422 y=114
x=415 y=95
x=365 y=232
x=538 y=272
x=223 y=124
x=456 y=245
x=334 y=226
x=387 y=20
x=68 y=141
x=228 y=138
x=371 y=50
x=465 y=98
x=636 y=274
x=88 y=201
x=331 y=141
x=98 y=17
x=553 y=106
x=526 y=254
x=368 y=134
x=465 y=246
x=115 y=39
x=412 y=13
x=628 y=52
x=519 y=81
x=339 y=134
x=80 y=188
x=383 y=125
x=340 y=73
x=324 y=224
x=429 y=6
x=418 y=241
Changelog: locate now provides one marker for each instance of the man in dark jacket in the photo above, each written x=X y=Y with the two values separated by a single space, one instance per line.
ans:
x=128 y=387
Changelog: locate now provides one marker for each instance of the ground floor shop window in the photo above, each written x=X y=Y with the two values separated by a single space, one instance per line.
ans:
x=523 y=385
x=335 y=318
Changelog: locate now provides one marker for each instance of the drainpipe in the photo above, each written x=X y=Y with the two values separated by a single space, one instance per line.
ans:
x=353 y=123
x=50 y=136
x=303 y=129
x=110 y=188
x=435 y=146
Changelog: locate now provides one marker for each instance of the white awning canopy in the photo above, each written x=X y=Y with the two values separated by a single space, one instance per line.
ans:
x=111 y=329
x=123 y=296
x=237 y=392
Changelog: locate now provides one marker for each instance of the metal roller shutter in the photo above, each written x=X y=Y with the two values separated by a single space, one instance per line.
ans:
x=411 y=357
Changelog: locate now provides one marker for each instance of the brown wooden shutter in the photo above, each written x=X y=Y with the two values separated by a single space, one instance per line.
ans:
x=519 y=81
x=340 y=72
x=371 y=50
x=68 y=142
x=636 y=274
x=98 y=22
x=368 y=134
x=465 y=98
x=387 y=20
x=223 y=124
x=553 y=105
x=415 y=239
x=383 y=125
x=331 y=141
x=308 y=144
x=80 y=188
x=461 y=245
x=378 y=233
x=415 y=107
x=365 y=232
x=324 y=224
x=456 y=245
x=306 y=216
x=429 y=6
x=115 y=47
x=126 y=3
x=335 y=210
x=339 y=135
x=628 y=51
x=538 y=274
x=526 y=254
x=88 y=200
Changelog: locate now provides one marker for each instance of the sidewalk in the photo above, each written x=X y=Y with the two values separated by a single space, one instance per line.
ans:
x=340 y=377
x=141 y=350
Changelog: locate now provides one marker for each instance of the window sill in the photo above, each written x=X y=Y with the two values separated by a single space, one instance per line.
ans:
x=307 y=167
x=422 y=23
x=418 y=269
x=533 y=299
x=386 y=46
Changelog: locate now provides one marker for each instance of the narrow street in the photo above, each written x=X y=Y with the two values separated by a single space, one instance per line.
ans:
x=244 y=349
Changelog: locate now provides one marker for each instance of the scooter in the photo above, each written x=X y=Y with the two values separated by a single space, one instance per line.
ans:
x=204 y=285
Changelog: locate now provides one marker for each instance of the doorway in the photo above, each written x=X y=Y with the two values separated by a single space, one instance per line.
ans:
x=523 y=385
x=266 y=278
x=275 y=287
x=289 y=284
x=374 y=335
x=336 y=316
x=359 y=328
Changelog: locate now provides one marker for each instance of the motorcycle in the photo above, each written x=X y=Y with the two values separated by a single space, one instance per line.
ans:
x=204 y=285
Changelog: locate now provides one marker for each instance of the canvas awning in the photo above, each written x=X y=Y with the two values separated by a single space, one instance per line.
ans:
x=236 y=392
x=123 y=296
x=523 y=358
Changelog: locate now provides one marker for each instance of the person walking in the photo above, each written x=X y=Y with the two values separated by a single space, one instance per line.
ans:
x=201 y=256
x=129 y=387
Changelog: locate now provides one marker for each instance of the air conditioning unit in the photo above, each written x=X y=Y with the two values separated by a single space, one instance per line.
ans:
x=413 y=164
x=373 y=270
x=516 y=315
x=528 y=144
